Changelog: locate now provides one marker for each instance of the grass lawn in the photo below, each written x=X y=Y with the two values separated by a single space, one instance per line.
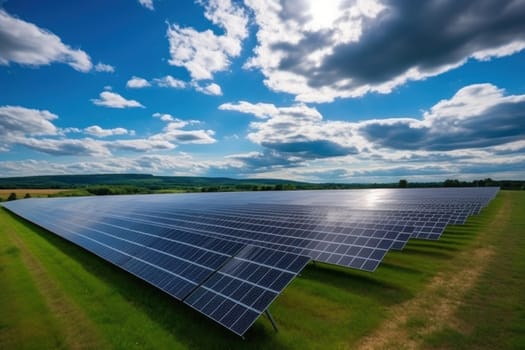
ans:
x=465 y=291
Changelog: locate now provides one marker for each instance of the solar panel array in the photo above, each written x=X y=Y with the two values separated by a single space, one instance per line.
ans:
x=229 y=255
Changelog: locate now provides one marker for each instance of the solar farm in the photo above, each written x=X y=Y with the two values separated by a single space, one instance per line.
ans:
x=230 y=255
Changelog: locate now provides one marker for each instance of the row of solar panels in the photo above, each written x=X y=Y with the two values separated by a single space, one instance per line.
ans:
x=229 y=255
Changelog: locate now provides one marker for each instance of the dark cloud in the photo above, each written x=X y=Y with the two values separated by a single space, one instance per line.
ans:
x=266 y=160
x=378 y=45
x=331 y=175
x=188 y=137
x=497 y=125
x=399 y=171
x=499 y=167
x=312 y=149
x=428 y=35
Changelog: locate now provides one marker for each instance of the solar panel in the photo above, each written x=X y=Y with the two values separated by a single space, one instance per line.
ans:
x=229 y=255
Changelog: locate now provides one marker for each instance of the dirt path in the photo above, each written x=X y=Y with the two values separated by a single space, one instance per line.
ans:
x=77 y=329
x=435 y=307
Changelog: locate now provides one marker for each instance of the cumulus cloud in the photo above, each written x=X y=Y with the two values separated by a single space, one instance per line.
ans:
x=102 y=67
x=147 y=4
x=65 y=147
x=97 y=131
x=209 y=89
x=298 y=130
x=169 y=82
x=204 y=53
x=25 y=43
x=174 y=132
x=265 y=161
x=173 y=122
x=260 y=110
x=338 y=49
x=140 y=145
x=20 y=121
x=114 y=100
x=476 y=116
x=137 y=83
x=164 y=117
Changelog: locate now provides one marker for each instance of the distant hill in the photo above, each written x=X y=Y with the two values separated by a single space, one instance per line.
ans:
x=145 y=183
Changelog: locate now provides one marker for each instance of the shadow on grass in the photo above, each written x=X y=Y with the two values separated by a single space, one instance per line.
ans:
x=445 y=245
x=428 y=252
x=358 y=282
x=188 y=326
x=401 y=268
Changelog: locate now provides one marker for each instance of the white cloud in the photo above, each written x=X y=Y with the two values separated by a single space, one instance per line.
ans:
x=137 y=83
x=174 y=132
x=164 y=117
x=25 y=43
x=147 y=4
x=204 y=53
x=209 y=89
x=260 y=110
x=34 y=129
x=20 y=121
x=177 y=164
x=114 y=100
x=65 y=147
x=299 y=130
x=140 y=145
x=102 y=67
x=169 y=82
x=70 y=130
x=97 y=131
x=320 y=51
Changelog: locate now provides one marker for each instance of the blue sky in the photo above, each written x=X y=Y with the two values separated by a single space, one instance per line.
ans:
x=336 y=90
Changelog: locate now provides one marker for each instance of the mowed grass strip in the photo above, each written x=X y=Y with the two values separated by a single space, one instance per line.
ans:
x=78 y=332
x=492 y=313
x=326 y=307
x=25 y=320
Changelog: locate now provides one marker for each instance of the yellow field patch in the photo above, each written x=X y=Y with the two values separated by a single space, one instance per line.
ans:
x=34 y=192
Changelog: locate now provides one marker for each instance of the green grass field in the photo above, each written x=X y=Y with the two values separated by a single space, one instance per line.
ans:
x=465 y=291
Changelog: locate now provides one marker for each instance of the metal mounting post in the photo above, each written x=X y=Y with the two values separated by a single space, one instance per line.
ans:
x=272 y=320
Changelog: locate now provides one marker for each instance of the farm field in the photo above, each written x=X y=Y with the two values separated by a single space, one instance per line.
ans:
x=34 y=192
x=464 y=291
